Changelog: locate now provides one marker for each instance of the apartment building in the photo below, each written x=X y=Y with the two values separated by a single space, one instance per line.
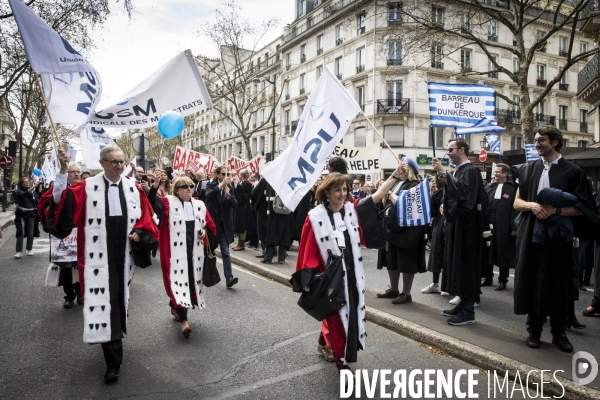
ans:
x=349 y=37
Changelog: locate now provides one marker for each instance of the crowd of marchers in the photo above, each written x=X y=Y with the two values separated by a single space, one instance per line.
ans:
x=539 y=219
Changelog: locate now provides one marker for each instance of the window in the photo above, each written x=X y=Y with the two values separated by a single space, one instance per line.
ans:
x=319 y=44
x=563 y=44
x=466 y=24
x=491 y=66
x=540 y=109
x=394 y=135
x=286 y=120
x=583 y=121
x=361 y=23
x=564 y=81
x=438 y=133
x=542 y=45
x=516 y=65
x=437 y=55
x=262 y=116
x=563 y=116
x=360 y=97
x=360 y=60
x=302 y=53
x=582 y=144
x=583 y=47
x=360 y=137
x=437 y=15
x=541 y=75
x=286 y=89
x=394 y=14
x=302 y=81
x=516 y=99
x=394 y=94
x=319 y=71
x=339 y=35
x=394 y=53
x=516 y=142
x=465 y=60
x=301 y=9
x=338 y=67
x=288 y=60
x=493 y=31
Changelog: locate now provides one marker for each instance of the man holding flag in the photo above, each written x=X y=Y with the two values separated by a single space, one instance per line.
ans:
x=464 y=205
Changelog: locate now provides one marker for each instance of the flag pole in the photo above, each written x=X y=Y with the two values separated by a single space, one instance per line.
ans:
x=379 y=134
x=39 y=82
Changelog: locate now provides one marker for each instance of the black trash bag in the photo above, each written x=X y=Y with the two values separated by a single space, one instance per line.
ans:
x=327 y=290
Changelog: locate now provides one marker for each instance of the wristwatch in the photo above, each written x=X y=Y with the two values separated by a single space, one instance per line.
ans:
x=558 y=211
x=395 y=177
x=442 y=175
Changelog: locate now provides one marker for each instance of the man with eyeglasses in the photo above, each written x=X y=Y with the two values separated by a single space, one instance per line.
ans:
x=116 y=230
x=356 y=191
x=67 y=273
x=464 y=206
x=544 y=273
x=220 y=202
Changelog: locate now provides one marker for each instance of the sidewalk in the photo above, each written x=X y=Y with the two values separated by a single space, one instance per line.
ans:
x=485 y=346
x=7 y=217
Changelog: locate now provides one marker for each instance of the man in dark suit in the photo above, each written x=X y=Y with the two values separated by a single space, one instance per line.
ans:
x=219 y=202
x=356 y=191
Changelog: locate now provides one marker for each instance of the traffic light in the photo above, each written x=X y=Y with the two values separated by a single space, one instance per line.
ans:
x=12 y=148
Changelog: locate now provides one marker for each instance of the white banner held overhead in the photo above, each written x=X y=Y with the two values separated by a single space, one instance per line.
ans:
x=176 y=86
x=92 y=141
x=361 y=160
x=414 y=205
x=460 y=105
x=328 y=113
x=183 y=157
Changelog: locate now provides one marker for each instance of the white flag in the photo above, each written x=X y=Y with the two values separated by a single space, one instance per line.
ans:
x=413 y=206
x=92 y=141
x=328 y=113
x=176 y=86
x=71 y=84
x=48 y=172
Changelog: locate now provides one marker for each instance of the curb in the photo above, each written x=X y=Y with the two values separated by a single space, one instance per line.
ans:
x=482 y=358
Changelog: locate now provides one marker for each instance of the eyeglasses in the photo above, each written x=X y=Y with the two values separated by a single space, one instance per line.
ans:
x=224 y=174
x=540 y=140
x=451 y=149
x=74 y=172
x=116 y=162
x=185 y=187
x=356 y=183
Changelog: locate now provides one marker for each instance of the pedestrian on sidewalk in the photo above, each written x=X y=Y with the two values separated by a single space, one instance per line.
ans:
x=335 y=224
x=543 y=275
x=25 y=215
x=68 y=272
x=464 y=208
x=115 y=232
x=243 y=215
x=182 y=248
x=397 y=260
x=438 y=238
x=220 y=203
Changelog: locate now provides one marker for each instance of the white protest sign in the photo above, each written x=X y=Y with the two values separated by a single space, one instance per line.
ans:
x=460 y=105
x=361 y=160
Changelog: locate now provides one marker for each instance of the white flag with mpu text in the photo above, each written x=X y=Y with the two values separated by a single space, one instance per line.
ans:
x=328 y=113
x=92 y=141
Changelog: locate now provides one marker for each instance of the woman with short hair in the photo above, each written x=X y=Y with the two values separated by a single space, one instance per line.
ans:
x=25 y=215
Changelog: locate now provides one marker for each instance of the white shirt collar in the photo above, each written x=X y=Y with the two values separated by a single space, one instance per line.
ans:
x=111 y=182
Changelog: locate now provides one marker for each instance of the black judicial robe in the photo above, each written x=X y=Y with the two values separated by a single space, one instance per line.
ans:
x=502 y=217
x=436 y=253
x=543 y=273
x=273 y=229
x=464 y=205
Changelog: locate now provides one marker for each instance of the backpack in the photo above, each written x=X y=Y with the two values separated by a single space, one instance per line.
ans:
x=279 y=207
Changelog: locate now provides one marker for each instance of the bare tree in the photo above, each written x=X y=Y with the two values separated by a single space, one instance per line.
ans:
x=435 y=32
x=231 y=79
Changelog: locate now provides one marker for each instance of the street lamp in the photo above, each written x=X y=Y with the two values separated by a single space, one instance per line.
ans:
x=484 y=143
x=273 y=82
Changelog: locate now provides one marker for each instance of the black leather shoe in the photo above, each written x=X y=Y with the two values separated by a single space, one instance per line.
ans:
x=573 y=323
x=486 y=282
x=231 y=282
x=533 y=341
x=563 y=344
x=112 y=375
x=582 y=288
x=68 y=304
x=501 y=286
x=79 y=300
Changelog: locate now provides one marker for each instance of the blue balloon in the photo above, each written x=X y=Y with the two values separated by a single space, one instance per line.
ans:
x=170 y=124
x=37 y=172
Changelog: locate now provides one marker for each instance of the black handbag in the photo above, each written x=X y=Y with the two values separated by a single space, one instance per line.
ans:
x=210 y=273
x=326 y=294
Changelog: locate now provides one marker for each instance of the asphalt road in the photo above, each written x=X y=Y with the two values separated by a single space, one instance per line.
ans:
x=252 y=342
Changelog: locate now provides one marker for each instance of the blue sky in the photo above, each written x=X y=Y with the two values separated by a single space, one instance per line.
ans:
x=128 y=51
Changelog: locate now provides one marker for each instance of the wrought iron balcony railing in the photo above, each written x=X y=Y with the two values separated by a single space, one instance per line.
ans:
x=583 y=127
x=339 y=76
x=508 y=116
x=437 y=64
x=302 y=90
x=361 y=30
x=303 y=58
x=563 y=86
x=287 y=96
x=394 y=61
x=493 y=75
x=562 y=53
x=339 y=41
x=393 y=106
x=590 y=72
x=543 y=119
x=320 y=51
x=541 y=82
x=360 y=69
x=562 y=124
x=493 y=38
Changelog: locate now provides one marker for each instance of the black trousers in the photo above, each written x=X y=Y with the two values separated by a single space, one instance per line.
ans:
x=113 y=353
x=71 y=290
x=488 y=272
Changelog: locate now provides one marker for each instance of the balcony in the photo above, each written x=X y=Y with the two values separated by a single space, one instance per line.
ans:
x=287 y=96
x=583 y=127
x=542 y=119
x=394 y=61
x=541 y=82
x=437 y=64
x=588 y=81
x=361 y=30
x=508 y=116
x=563 y=53
x=465 y=69
x=396 y=21
x=294 y=126
x=591 y=16
x=393 y=106
x=339 y=41
x=320 y=51
x=497 y=3
x=563 y=86
x=287 y=130
x=339 y=76
x=493 y=38
x=302 y=90
x=542 y=49
x=493 y=75
x=360 y=69
x=302 y=58
x=562 y=124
